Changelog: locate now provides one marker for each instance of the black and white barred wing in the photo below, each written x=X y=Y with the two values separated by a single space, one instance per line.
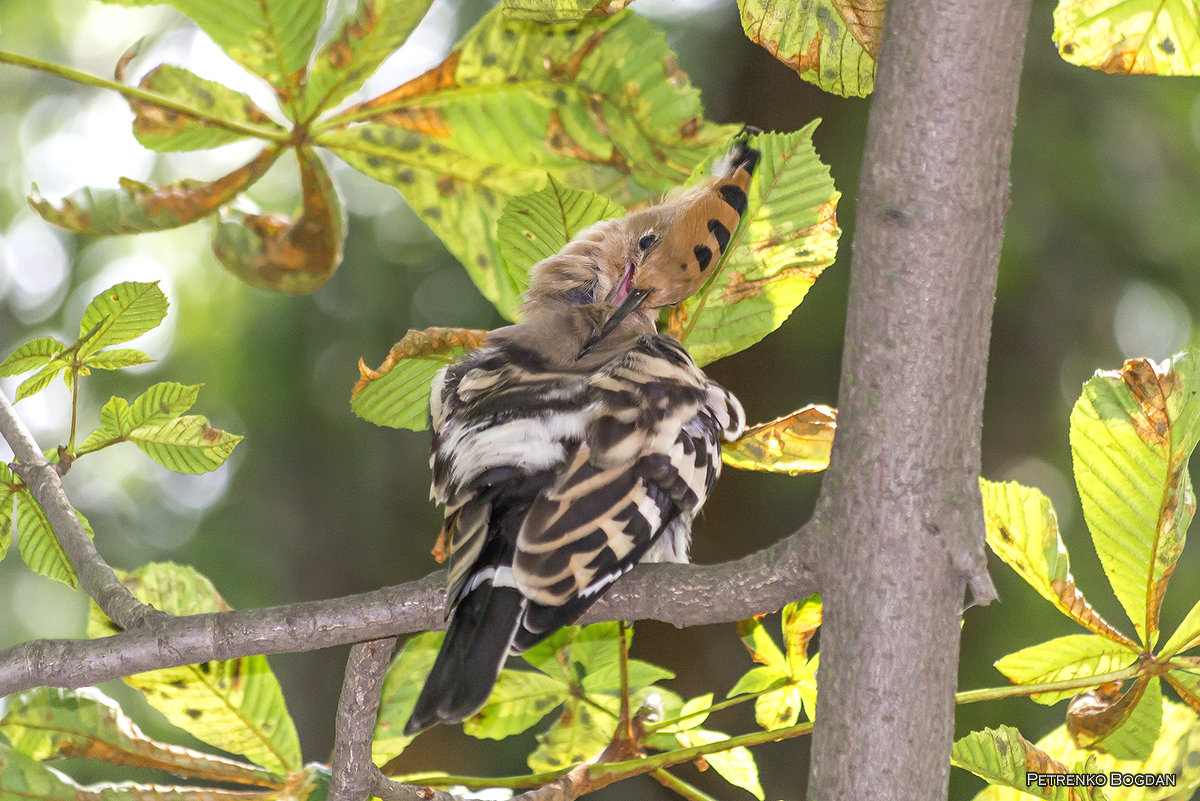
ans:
x=649 y=457
x=502 y=433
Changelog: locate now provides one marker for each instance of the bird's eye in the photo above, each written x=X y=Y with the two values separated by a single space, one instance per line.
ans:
x=648 y=241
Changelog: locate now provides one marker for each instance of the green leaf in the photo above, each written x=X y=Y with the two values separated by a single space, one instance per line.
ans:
x=793 y=444
x=1003 y=757
x=1186 y=637
x=271 y=252
x=158 y=404
x=736 y=766
x=48 y=723
x=397 y=393
x=121 y=313
x=271 y=38
x=32 y=355
x=692 y=714
x=41 y=379
x=536 y=226
x=39 y=547
x=579 y=735
x=8 y=499
x=373 y=32
x=560 y=10
x=236 y=705
x=1173 y=754
x=1132 y=432
x=600 y=103
x=22 y=777
x=520 y=699
x=830 y=43
x=137 y=207
x=787 y=237
x=401 y=686
x=186 y=444
x=1022 y=529
x=167 y=131
x=1064 y=658
x=1129 y=36
x=116 y=358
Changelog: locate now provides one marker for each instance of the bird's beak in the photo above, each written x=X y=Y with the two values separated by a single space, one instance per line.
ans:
x=628 y=305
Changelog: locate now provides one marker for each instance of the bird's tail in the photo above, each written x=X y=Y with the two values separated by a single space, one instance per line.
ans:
x=477 y=641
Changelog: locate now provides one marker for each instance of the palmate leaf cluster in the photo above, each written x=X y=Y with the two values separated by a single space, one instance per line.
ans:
x=1132 y=433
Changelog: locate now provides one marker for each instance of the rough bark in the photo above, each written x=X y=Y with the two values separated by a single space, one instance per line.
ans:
x=901 y=492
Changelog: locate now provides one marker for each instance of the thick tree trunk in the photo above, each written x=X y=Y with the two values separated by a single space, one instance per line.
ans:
x=900 y=511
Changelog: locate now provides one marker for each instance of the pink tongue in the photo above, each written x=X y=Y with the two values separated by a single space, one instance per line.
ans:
x=626 y=284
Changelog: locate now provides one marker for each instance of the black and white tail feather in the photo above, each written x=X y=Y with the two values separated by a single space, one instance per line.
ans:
x=561 y=462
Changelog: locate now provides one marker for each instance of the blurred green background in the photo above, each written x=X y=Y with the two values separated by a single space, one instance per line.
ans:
x=1098 y=266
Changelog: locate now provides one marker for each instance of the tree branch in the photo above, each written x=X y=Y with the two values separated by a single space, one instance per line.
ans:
x=683 y=595
x=44 y=482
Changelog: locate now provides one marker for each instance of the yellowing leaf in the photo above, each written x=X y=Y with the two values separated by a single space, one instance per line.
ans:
x=1132 y=433
x=1022 y=529
x=794 y=444
x=271 y=252
x=403 y=682
x=397 y=393
x=1063 y=658
x=1130 y=36
x=369 y=35
x=236 y=705
x=736 y=766
x=1172 y=755
x=561 y=10
x=48 y=723
x=137 y=207
x=788 y=235
x=831 y=43
x=599 y=103
x=520 y=699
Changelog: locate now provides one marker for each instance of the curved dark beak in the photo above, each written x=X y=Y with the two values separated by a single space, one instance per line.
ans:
x=628 y=306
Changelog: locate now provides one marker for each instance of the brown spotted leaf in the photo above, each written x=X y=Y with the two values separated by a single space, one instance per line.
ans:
x=137 y=208
x=787 y=237
x=172 y=129
x=271 y=252
x=1186 y=681
x=369 y=35
x=236 y=705
x=794 y=444
x=1132 y=432
x=598 y=104
x=1022 y=529
x=1125 y=723
x=1003 y=757
x=49 y=723
x=397 y=393
x=1129 y=36
x=832 y=43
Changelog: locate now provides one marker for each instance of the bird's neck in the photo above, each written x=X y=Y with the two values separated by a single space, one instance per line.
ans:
x=558 y=332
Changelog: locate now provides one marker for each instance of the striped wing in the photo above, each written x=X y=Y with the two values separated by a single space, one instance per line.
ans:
x=649 y=457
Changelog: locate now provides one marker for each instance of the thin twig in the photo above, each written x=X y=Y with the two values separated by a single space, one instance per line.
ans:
x=95 y=576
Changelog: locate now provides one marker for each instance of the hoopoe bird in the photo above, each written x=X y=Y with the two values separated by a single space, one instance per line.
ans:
x=579 y=442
